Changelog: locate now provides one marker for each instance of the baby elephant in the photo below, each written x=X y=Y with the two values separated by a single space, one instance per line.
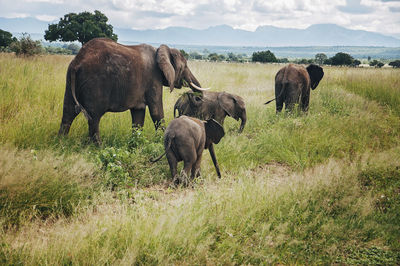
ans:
x=185 y=139
x=211 y=104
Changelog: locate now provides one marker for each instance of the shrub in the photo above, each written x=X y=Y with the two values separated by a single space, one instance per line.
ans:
x=25 y=46
x=395 y=64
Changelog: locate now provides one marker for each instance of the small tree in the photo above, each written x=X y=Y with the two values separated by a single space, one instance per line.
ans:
x=195 y=55
x=26 y=46
x=6 y=38
x=340 y=59
x=73 y=47
x=80 y=27
x=186 y=55
x=320 y=58
x=264 y=57
x=376 y=63
x=356 y=63
x=395 y=64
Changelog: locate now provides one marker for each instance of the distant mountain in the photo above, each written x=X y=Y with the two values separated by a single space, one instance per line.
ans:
x=223 y=35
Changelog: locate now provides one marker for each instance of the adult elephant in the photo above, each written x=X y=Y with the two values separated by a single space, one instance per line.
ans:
x=212 y=105
x=293 y=83
x=109 y=77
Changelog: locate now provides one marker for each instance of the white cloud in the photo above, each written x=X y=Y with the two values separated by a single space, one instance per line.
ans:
x=46 y=18
x=373 y=15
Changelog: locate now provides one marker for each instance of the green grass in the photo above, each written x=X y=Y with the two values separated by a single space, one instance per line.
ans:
x=316 y=188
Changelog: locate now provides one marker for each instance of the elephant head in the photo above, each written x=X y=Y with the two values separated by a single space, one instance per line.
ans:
x=316 y=73
x=175 y=69
x=212 y=105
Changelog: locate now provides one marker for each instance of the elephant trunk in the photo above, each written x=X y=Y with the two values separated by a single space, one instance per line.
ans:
x=243 y=119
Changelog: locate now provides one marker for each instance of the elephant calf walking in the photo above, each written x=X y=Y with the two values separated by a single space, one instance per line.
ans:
x=185 y=139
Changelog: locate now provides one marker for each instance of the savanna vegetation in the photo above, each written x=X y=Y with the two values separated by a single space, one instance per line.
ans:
x=320 y=188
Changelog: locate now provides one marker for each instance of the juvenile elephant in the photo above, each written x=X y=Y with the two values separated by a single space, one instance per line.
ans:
x=185 y=139
x=293 y=83
x=109 y=77
x=212 y=105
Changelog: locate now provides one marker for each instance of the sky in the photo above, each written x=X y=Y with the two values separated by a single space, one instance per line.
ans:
x=382 y=16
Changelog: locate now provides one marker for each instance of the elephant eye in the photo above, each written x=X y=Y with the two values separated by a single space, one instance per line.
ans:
x=198 y=99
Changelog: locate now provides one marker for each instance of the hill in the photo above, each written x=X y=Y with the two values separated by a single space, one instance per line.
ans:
x=224 y=35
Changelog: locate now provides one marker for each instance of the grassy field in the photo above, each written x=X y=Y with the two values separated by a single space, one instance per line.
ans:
x=320 y=188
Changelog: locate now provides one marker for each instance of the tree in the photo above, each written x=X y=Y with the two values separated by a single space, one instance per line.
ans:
x=195 y=55
x=356 y=63
x=26 y=46
x=341 y=59
x=183 y=52
x=264 y=57
x=80 y=27
x=6 y=38
x=320 y=58
x=283 y=60
x=395 y=64
x=376 y=63
x=74 y=48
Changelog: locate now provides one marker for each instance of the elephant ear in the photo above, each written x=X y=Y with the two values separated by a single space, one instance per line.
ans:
x=214 y=130
x=163 y=58
x=316 y=73
x=229 y=103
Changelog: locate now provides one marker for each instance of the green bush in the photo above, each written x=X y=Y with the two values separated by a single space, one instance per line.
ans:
x=25 y=46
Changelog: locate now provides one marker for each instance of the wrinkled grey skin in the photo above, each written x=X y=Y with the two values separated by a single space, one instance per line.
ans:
x=185 y=139
x=109 y=77
x=293 y=84
x=212 y=105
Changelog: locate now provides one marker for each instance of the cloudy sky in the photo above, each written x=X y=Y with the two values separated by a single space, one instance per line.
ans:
x=381 y=16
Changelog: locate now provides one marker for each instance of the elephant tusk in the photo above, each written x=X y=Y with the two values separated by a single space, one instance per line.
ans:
x=197 y=87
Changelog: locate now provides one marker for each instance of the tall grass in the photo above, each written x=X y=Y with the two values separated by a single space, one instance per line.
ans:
x=320 y=216
x=296 y=188
x=38 y=185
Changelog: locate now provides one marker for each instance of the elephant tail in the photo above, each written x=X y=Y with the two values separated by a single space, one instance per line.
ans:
x=167 y=144
x=280 y=94
x=78 y=106
x=270 y=101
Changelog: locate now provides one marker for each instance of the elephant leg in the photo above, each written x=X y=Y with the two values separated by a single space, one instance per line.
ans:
x=305 y=101
x=279 y=104
x=196 y=167
x=157 y=113
x=214 y=159
x=138 y=117
x=69 y=114
x=173 y=163
x=66 y=121
x=94 y=132
x=279 y=98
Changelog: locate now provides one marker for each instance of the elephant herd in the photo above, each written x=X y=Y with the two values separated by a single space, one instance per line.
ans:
x=109 y=77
